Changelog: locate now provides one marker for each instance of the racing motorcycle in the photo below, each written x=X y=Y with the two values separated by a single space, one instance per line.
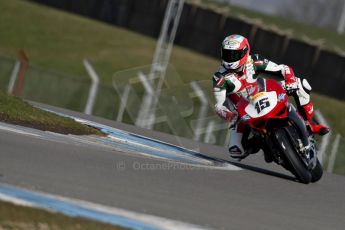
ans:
x=274 y=125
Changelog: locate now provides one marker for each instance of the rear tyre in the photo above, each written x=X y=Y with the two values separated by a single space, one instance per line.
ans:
x=317 y=172
x=295 y=164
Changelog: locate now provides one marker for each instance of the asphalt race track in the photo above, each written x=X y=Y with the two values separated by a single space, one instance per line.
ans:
x=260 y=196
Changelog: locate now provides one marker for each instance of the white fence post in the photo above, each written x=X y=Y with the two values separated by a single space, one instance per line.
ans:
x=203 y=109
x=145 y=119
x=123 y=103
x=325 y=139
x=93 y=89
x=209 y=132
x=13 y=78
x=341 y=23
x=333 y=155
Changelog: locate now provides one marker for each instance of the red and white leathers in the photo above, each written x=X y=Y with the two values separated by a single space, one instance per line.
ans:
x=229 y=85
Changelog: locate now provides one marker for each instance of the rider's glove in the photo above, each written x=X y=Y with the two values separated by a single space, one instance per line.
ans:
x=226 y=114
x=291 y=82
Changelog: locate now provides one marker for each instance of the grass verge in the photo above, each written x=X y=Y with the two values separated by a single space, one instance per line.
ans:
x=26 y=25
x=27 y=218
x=15 y=111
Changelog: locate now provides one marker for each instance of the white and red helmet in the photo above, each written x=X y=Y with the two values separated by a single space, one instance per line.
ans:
x=235 y=51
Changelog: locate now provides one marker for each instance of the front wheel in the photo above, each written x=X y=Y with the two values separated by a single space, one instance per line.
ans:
x=295 y=163
x=317 y=172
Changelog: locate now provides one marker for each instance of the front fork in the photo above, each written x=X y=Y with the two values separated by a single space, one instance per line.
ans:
x=301 y=128
x=303 y=141
x=298 y=134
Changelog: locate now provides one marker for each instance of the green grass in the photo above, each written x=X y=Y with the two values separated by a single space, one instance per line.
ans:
x=331 y=39
x=333 y=110
x=58 y=40
x=63 y=46
x=15 y=111
x=13 y=217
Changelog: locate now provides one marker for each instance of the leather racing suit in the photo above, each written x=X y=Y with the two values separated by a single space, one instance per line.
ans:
x=229 y=86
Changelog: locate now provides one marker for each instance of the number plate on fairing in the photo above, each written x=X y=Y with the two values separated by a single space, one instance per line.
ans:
x=261 y=104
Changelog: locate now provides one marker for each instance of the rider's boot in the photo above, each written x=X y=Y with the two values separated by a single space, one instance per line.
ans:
x=307 y=114
x=236 y=149
x=305 y=107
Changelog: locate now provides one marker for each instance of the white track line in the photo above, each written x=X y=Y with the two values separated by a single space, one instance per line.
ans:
x=13 y=130
x=64 y=202
x=16 y=201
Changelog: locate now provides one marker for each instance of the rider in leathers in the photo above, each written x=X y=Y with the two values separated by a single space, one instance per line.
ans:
x=238 y=74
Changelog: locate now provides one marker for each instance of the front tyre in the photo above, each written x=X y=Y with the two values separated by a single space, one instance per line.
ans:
x=317 y=172
x=294 y=162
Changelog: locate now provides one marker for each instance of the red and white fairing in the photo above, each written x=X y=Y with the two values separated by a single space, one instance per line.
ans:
x=258 y=108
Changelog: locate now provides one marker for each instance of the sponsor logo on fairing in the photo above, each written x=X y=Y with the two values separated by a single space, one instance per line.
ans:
x=245 y=117
x=281 y=97
x=251 y=90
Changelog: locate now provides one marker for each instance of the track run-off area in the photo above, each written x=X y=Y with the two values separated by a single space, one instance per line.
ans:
x=143 y=179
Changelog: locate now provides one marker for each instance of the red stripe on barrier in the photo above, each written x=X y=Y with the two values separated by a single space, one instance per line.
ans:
x=24 y=64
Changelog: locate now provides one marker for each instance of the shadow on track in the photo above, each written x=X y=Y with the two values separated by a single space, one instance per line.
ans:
x=219 y=161
x=263 y=171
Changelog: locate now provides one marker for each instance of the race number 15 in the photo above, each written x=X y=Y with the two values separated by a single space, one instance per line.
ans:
x=262 y=104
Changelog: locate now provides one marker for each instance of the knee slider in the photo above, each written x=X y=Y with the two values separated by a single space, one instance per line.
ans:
x=303 y=92
x=306 y=86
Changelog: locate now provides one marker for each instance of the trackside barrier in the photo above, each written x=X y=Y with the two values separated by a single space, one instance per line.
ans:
x=8 y=68
x=146 y=16
x=300 y=56
x=203 y=29
x=237 y=26
x=185 y=110
x=205 y=23
x=278 y=44
x=182 y=109
x=328 y=76
x=56 y=89
x=93 y=89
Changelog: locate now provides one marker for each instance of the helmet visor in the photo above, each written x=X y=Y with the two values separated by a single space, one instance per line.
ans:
x=233 y=55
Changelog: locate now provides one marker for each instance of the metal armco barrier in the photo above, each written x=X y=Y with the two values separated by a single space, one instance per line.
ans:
x=146 y=16
x=328 y=75
x=202 y=30
x=199 y=29
x=300 y=56
x=277 y=44
x=237 y=26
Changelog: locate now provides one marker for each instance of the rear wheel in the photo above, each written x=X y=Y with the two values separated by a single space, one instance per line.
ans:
x=295 y=164
x=317 y=172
